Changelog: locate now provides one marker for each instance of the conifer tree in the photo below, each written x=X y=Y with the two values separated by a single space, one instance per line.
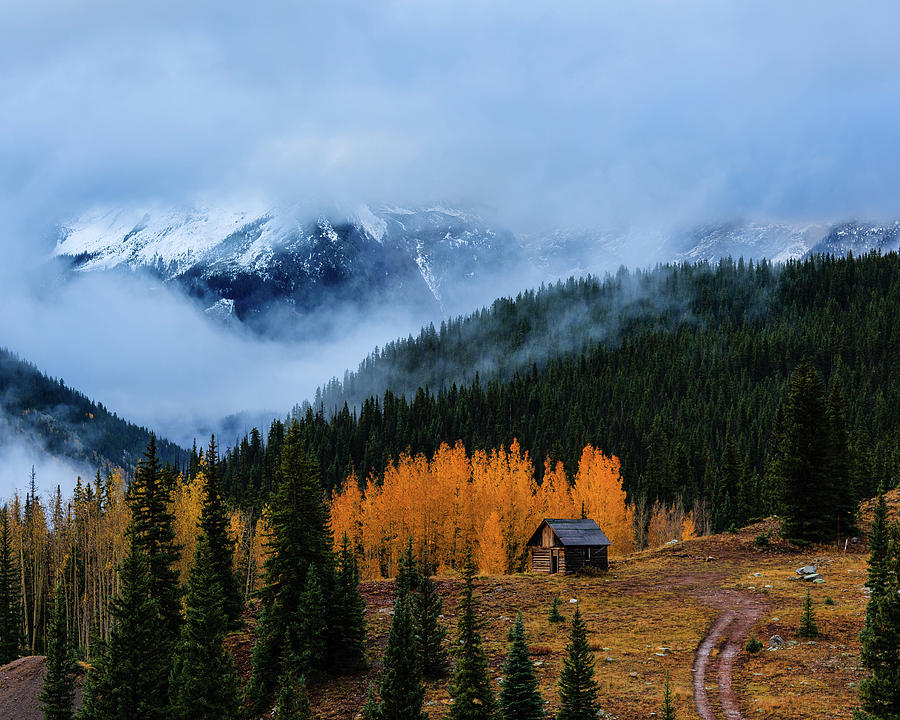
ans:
x=428 y=608
x=292 y=702
x=520 y=698
x=204 y=682
x=408 y=577
x=310 y=642
x=58 y=691
x=348 y=622
x=879 y=693
x=801 y=465
x=130 y=678
x=470 y=689
x=667 y=710
x=808 y=627
x=555 y=616
x=153 y=533
x=300 y=537
x=577 y=687
x=214 y=525
x=400 y=687
x=843 y=499
x=879 y=556
x=10 y=608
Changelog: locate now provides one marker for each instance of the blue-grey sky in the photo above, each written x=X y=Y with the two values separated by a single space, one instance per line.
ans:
x=590 y=112
x=605 y=113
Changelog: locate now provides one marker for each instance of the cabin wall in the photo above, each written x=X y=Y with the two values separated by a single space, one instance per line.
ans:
x=540 y=560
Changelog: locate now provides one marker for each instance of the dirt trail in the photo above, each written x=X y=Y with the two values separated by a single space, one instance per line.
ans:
x=739 y=613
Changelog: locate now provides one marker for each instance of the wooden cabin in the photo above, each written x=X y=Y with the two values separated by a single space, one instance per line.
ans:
x=566 y=546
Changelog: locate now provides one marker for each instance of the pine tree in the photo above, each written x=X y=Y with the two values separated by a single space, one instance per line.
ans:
x=130 y=678
x=879 y=556
x=470 y=689
x=408 y=577
x=843 y=499
x=10 y=608
x=214 y=525
x=808 y=627
x=58 y=691
x=300 y=537
x=204 y=682
x=667 y=710
x=555 y=616
x=520 y=698
x=400 y=687
x=801 y=465
x=153 y=532
x=577 y=687
x=879 y=693
x=428 y=608
x=348 y=629
x=292 y=702
x=311 y=628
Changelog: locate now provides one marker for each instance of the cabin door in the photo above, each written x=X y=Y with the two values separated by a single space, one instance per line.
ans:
x=554 y=562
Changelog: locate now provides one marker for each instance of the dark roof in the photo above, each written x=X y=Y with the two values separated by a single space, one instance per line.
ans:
x=574 y=532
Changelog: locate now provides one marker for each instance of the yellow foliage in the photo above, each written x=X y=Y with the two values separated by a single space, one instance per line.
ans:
x=491 y=556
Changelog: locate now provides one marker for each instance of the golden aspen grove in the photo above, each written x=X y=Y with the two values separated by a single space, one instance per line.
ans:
x=492 y=497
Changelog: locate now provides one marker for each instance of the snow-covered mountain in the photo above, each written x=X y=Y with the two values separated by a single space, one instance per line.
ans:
x=244 y=264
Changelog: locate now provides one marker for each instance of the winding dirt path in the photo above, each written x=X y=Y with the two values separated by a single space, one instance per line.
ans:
x=727 y=633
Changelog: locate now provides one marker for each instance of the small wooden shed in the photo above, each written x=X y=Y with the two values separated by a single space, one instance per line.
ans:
x=565 y=546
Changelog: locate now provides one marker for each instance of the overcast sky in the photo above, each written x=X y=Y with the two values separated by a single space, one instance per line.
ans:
x=596 y=113
x=603 y=112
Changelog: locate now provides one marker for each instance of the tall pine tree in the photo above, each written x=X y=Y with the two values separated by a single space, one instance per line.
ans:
x=473 y=698
x=400 y=687
x=300 y=537
x=58 y=691
x=348 y=626
x=130 y=677
x=204 y=684
x=153 y=533
x=10 y=608
x=428 y=609
x=214 y=525
x=520 y=698
x=577 y=687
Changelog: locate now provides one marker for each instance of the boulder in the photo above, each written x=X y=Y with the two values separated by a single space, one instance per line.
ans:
x=807 y=570
x=776 y=641
x=814 y=577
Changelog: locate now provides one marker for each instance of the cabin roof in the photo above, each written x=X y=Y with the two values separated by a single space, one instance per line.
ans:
x=572 y=532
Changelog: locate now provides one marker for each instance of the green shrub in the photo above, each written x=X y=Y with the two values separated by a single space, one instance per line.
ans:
x=753 y=645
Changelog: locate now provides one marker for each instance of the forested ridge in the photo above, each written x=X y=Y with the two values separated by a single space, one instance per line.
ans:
x=684 y=392
x=68 y=423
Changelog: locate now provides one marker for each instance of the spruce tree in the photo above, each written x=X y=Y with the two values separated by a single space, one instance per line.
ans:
x=879 y=693
x=153 y=532
x=214 y=525
x=400 y=687
x=10 y=608
x=292 y=702
x=879 y=556
x=130 y=678
x=577 y=687
x=808 y=627
x=520 y=698
x=555 y=616
x=408 y=577
x=470 y=689
x=309 y=645
x=428 y=608
x=300 y=536
x=843 y=498
x=348 y=622
x=58 y=691
x=204 y=682
x=801 y=466
x=667 y=709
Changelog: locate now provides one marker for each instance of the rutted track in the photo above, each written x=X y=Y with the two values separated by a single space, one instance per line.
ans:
x=727 y=633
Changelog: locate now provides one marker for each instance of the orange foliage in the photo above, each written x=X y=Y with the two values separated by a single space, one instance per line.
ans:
x=187 y=500
x=490 y=500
